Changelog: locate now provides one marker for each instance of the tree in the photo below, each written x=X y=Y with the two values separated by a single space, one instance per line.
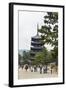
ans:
x=43 y=57
x=19 y=59
x=49 y=32
x=26 y=57
x=49 y=57
x=39 y=58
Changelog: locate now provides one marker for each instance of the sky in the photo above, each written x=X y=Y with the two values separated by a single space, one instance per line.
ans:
x=28 y=21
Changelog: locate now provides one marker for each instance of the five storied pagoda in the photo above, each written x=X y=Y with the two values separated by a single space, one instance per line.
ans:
x=36 y=45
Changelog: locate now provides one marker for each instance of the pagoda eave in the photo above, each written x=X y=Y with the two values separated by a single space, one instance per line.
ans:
x=36 y=43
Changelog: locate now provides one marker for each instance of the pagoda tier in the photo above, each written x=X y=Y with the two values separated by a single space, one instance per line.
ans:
x=37 y=48
x=36 y=38
x=36 y=43
x=32 y=59
x=32 y=52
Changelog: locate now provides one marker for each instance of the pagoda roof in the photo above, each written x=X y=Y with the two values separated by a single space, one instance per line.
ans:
x=36 y=48
x=36 y=37
x=32 y=58
x=37 y=43
x=32 y=53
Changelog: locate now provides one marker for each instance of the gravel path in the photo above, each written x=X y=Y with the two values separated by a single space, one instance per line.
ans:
x=23 y=74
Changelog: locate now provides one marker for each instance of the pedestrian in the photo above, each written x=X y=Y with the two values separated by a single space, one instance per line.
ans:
x=40 y=69
x=43 y=69
x=34 y=68
x=26 y=67
x=51 y=69
x=46 y=68
x=31 y=68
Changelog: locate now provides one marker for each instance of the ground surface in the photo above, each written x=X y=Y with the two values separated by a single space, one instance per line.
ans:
x=23 y=74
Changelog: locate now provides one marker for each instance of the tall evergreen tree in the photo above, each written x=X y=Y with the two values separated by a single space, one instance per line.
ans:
x=49 y=32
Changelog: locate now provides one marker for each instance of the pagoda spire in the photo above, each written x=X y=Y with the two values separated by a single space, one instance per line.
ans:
x=37 y=29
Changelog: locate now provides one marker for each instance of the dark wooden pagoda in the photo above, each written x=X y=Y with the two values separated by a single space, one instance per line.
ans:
x=36 y=45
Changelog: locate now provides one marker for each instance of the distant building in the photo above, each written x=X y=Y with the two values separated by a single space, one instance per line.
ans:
x=36 y=45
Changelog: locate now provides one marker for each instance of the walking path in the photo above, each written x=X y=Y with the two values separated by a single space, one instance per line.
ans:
x=23 y=74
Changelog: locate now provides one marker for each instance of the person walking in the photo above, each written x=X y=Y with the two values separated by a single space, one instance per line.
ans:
x=35 y=68
x=40 y=69
x=26 y=67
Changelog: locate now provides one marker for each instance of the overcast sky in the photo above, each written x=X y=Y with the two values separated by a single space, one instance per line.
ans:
x=28 y=27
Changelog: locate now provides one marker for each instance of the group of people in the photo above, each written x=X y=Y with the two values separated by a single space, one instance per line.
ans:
x=40 y=68
x=35 y=68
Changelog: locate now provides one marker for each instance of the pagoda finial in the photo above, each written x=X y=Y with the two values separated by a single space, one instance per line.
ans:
x=37 y=28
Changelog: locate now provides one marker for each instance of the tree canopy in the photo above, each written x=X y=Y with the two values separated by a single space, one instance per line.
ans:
x=49 y=32
x=43 y=57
